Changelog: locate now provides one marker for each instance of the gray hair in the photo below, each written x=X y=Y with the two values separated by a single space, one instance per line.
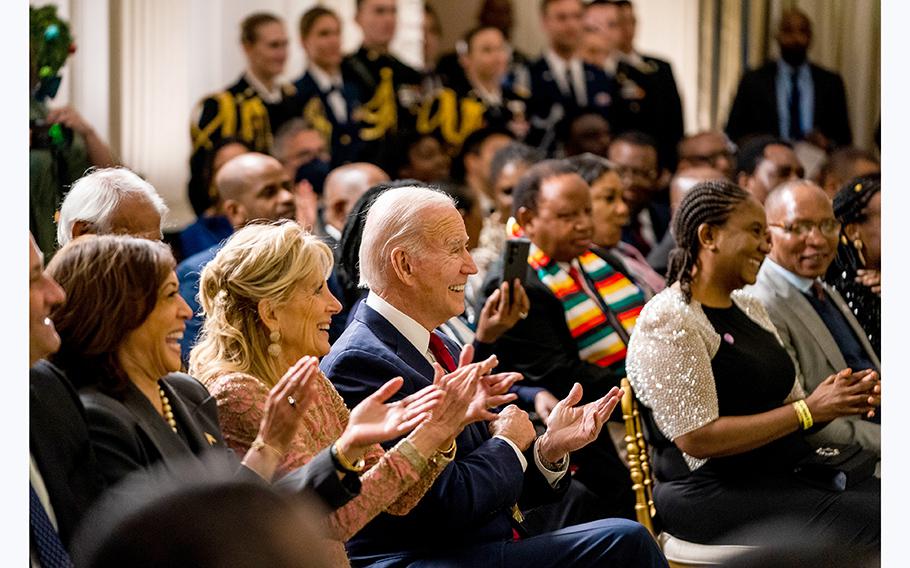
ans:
x=96 y=195
x=394 y=220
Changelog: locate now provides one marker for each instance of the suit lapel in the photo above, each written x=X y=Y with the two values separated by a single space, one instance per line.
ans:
x=200 y=433
x=809 y=319
x=168 y=444
x=854 y=325
x=769 y=85
x=387 y=333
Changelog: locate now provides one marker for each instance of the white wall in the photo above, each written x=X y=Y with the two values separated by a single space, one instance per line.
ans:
x=667 y=29
x=173 y=53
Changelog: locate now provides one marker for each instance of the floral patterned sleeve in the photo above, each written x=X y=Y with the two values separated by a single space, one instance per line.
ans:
x=241 y=402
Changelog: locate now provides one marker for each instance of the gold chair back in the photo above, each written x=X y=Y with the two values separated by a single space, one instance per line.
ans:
x=639 y=460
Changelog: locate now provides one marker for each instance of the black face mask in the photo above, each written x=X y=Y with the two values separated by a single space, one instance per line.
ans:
x=315 y=172
x=794 y=56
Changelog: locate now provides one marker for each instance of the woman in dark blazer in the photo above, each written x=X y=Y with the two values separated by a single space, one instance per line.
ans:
x=121 y=329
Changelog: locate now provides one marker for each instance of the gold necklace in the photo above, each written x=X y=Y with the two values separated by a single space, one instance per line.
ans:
x=166 y=407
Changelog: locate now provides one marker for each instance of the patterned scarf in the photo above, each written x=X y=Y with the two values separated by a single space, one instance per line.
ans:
x=598 y=342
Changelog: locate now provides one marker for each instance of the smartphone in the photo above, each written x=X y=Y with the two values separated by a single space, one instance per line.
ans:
x=515 y=263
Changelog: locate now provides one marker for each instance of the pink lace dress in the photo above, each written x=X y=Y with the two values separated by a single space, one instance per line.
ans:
x=393 y=481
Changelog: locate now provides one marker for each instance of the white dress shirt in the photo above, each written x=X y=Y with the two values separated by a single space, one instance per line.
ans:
x=325 y=82
x=419 y=337
x=271 y=96
x=558 y=67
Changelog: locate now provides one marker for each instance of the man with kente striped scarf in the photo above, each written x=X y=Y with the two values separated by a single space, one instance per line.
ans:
x=582 y=311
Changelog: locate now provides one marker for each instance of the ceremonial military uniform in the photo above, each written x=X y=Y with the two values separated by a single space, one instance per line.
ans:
x=238 y=112
x=454 y=113
x=555 y=100
x=331 y=106
x=389 y=94
x=651 y=103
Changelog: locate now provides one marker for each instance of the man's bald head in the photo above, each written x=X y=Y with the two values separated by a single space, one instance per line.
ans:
x=686 y=179
x=794 y=36
x=803 y=228
x=344 y=186
x=254 y=186
x=788 y=195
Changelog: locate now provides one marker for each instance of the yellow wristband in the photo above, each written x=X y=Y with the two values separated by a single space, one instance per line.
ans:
x=803 y=414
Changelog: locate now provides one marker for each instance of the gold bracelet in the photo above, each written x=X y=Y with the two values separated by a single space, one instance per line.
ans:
x=258 y=444
x=449 y=453
x=344 y=463
x=803 y=414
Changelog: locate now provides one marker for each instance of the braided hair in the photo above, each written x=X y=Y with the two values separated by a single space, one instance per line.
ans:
x=850 y=207
x=710 y=202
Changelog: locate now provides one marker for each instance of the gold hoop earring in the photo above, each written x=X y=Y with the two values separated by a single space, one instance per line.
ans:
x=274 y=346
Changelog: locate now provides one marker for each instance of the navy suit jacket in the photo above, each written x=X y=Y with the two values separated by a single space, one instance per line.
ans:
x=59 y=442
x=470 y=502
x=345 y=136
x=754 y=110
x=547 y=103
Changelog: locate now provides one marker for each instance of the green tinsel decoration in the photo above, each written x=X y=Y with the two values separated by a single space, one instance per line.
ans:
x=50 y=43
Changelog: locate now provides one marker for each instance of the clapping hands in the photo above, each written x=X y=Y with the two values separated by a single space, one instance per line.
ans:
x=374 y=421
x=571 y=427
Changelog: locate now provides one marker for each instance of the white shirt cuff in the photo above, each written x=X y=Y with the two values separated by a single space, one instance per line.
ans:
x=521 y=459
x=552 y=477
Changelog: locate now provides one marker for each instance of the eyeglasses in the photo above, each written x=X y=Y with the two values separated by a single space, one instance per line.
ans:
x=711 y=159
x=623 y=171
x=828 y=227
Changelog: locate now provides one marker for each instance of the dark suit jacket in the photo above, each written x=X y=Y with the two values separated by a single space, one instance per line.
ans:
x=541 y=347
x=547 y=103
x=659 y=112
x=754 y=109
x=471 y=499
x=129 y=435
x=58 y=440
x=345 y=136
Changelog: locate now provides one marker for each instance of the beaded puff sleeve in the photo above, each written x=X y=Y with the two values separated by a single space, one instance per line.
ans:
x=669 y=362
x=393 y=482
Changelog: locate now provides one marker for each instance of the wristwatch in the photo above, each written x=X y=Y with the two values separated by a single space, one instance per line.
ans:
x=342 y=463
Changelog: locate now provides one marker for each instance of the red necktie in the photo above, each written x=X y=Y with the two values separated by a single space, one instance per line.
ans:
x=819 y=291
x=441 y=353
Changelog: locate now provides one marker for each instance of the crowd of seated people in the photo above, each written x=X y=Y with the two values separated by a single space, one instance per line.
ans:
x=330 y=362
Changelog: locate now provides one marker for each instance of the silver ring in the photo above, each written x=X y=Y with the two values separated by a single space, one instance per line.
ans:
x=292 y=401
x=523 y=315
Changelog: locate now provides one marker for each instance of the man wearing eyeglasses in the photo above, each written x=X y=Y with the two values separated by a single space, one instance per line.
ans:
x=644 y=189
x=815 y=324
x=709 y=148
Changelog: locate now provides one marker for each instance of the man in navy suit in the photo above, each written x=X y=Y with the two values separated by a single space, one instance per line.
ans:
x=415 y=261
x=326 y=93
x=792 y=98
x=63 y=474
x=562 y=85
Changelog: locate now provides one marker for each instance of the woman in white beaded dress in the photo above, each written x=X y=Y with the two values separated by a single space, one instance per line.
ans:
x=707 y=361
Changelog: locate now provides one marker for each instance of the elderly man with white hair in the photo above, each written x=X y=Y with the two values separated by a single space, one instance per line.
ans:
x=415 y=261
x=111 y=201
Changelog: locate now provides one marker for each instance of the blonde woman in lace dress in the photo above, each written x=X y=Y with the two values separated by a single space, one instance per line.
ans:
x=266 y=305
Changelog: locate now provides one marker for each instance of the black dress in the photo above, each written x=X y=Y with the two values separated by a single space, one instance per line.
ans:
x=865 y=304
x=721 y=500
